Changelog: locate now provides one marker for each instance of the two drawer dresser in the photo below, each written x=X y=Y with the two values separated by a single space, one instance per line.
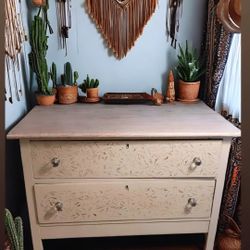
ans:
x=112 y=170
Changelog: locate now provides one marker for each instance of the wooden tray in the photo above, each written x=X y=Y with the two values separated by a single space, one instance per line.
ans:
x=126 y=97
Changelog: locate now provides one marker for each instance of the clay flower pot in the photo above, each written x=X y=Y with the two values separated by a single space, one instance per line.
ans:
x=45 y=100
x=188 y=91
x=67 y=94
x=92 y=93
x=38 y=2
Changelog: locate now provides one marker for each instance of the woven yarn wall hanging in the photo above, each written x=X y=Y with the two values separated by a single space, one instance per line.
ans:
x=121 y=22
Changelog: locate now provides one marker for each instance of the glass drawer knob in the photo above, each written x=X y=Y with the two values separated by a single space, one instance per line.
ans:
x=59 y=206
x=195 y=163
x=55 y=162
x=191 y=203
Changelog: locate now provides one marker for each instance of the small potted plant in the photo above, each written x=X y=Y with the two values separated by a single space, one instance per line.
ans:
x=189 y=71
x=37 y=57
x=68 y=91
x=90 y=87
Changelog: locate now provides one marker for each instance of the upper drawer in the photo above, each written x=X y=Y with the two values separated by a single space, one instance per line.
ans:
x=118 y=200
x=125 y=159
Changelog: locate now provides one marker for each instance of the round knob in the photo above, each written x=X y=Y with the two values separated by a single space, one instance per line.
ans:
x=191 y=203
x=195 y=163
x=58 y=206
x=55 y=162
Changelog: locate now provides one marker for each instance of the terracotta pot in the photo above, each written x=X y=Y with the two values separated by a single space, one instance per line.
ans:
x=45 y=100
x=38 y=2
x=188 y=91
x=92 y=93
x=67 y=94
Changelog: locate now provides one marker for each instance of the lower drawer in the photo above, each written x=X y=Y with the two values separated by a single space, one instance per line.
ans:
x=119 y=200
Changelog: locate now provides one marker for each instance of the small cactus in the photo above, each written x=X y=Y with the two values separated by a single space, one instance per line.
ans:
x=53 y=74
x=68 y=78
x=76 y=76
x=14 y=229
x=89 y=83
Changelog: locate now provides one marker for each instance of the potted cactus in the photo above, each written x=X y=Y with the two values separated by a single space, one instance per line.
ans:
x=37 y=56
x=68 y=90
x=14 y=231
x=189 y=71
x=90 y=87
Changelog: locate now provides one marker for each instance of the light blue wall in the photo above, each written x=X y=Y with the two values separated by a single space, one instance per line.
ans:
x=144 y=67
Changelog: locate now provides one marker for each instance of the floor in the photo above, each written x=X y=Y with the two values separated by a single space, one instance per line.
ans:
x=183 y=242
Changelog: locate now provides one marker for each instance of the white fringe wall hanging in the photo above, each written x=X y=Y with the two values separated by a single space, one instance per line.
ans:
x=14 y=38
x=174 y=13
x=121 y=22
x=63 y=21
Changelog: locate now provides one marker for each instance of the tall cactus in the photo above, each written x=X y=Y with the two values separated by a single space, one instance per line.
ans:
x=68 y=77
x=37 y=56
x=14 y=229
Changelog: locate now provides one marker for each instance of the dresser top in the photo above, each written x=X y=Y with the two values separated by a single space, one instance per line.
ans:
x=104 y=122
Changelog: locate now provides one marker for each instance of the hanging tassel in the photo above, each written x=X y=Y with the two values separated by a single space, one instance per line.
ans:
x=174 y=13
x=121 y=22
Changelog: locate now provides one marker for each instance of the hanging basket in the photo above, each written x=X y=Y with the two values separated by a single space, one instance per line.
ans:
x=39 y=3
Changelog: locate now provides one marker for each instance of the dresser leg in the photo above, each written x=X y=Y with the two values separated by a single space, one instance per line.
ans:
x=218 y=195
x=37 y=244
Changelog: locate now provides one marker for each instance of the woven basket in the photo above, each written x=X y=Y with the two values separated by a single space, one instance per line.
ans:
x=230 y=239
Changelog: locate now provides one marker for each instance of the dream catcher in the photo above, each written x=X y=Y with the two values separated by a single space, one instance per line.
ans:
x=14 y=38
x=174 y=9
x=121 y=22
x=64 y=22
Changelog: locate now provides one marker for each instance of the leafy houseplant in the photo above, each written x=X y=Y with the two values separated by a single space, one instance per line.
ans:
x=90 y=86
x=189 y=70
x=14 y=230
x=68 y=90
x=37 y=56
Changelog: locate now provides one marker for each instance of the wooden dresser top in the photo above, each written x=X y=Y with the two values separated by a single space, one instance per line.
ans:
x=105 y=122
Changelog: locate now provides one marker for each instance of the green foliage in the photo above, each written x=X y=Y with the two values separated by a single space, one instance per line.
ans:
x=68 y=78
x=189 y=68
x=53 y=74
x=14 y=229
x=37 y=56
x=89 y=83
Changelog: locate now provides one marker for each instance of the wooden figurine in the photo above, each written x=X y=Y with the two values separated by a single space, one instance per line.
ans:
x=170 y=95
x=157 y=98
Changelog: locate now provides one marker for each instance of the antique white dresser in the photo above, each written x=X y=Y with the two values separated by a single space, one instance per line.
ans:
x=112 y=170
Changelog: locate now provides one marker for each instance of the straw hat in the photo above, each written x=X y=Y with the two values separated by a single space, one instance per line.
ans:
x=229 y=13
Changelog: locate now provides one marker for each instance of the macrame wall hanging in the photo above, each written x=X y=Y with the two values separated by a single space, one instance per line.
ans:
x=121 y=22
x=174 y=9
x=14 y=38
x=63 y=8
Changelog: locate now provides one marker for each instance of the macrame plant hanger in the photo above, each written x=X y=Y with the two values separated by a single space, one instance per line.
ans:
x=14 y=38
x=64 y=22
x=174 y=13
x=121 y=22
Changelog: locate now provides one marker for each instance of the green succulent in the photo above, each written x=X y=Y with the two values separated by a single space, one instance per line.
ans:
x=189 y=68
x=88 y=84
x=14 y=229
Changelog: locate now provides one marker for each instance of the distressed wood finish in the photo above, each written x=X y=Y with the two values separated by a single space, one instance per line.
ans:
x=124 y=159
x=123 y=200
x=107 y=122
